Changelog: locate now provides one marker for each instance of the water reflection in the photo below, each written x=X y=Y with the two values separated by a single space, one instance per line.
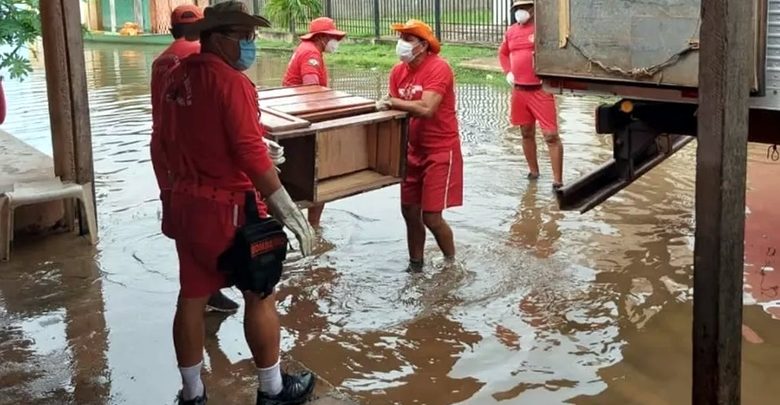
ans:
x=545 y=306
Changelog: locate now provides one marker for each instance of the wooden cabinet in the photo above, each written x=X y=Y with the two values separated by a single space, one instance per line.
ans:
x=336 y=145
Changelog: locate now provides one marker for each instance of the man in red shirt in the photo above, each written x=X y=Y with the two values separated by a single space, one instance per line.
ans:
x=530 y=103
x=308 y=67
x=181 y=47
x=212 y=145
x=423 y=85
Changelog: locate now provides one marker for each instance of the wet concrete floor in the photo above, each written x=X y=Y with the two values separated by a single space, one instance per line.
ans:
x=547 y=307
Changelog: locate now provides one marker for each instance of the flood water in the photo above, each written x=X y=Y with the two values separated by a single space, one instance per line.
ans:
x=548 y=307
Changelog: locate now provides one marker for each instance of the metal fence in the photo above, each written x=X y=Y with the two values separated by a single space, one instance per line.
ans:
x=463 y=21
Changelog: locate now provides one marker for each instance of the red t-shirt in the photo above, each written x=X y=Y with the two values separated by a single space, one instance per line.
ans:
x=439 y=132
x=210 y=125
x=517 y=54
x=307 y=60
x=170 y=58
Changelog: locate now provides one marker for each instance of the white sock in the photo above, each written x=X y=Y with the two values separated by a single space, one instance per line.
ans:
x=191 y=382
x=270 y=380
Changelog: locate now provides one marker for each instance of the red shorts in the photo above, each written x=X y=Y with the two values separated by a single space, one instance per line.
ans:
x=433 y=181
x=204 y=230
x=531 y=106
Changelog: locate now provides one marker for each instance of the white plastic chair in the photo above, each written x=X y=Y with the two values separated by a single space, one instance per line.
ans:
x=41 y=192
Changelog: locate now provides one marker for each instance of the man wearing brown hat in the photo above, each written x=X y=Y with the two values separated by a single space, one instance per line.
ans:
x=213 y=144
x=182 y=47
x=308 y=67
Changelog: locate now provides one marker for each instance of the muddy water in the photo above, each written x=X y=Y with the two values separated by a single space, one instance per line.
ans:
x=546 y=307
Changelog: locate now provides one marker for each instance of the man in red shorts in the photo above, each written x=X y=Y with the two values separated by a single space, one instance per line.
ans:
x=530 y=103
x=212 y=144
x=181 y=47
x=308 y=67
x=423 y=85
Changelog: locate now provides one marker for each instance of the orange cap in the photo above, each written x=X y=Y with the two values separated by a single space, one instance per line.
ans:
x=186 y=14
x=421 y=30
x=323 y=25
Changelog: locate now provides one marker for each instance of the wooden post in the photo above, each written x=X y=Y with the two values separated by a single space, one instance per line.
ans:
x=724 y=83
x=66 y=81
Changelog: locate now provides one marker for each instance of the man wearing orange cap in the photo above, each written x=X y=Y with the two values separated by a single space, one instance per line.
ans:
x=423 y=84
x=530 y=103
x=182 y=47
x=308 y=67
x=224 y=182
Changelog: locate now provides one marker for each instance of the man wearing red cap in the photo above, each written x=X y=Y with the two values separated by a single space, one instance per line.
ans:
x=308 y=67
x=223 y=177
x=423 y=85
x=530 y=103
x=181 y=47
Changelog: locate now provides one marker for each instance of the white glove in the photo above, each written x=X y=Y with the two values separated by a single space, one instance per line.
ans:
x=510 y=78
x=275 y=151
x=285 y=211
x=383 y=104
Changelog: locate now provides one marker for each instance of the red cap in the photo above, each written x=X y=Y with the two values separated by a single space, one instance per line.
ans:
x=323 y=25
x=186 y=14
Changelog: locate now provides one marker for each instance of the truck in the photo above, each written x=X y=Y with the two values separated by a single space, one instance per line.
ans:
x=646 y=53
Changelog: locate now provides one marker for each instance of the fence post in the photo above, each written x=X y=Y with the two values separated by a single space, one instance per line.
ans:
x=329 y=8
x=437 y=18
x=256 y=7
x=377 y=32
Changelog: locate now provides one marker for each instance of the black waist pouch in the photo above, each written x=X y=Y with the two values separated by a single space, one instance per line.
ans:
x=255 y=259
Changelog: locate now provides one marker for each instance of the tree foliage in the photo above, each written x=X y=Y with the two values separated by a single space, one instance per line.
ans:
x=20 y=25
x=282 y=12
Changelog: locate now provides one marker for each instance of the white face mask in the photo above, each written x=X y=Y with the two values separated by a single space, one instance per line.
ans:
x=405 y=51
x=332 y=46
x=522 y=16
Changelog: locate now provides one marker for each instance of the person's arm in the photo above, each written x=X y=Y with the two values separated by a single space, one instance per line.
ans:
x=250 y=154
x=503 y=56
x=313 y=69
x=435 y=85
x=426 y=107
x=157 y=151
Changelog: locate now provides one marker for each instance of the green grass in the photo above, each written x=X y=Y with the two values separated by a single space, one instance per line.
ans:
x=383 y=57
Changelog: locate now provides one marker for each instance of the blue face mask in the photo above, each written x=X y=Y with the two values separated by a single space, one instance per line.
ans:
x=247 y=54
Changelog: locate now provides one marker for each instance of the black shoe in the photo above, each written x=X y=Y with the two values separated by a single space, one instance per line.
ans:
x=296 y=390
x=220 y=303
x=532 y=176
x=201 y=400
x=557 y=186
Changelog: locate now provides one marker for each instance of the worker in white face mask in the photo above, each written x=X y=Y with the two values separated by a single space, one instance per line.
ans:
x=423 y=85
x=308 y=67
x=530 y=103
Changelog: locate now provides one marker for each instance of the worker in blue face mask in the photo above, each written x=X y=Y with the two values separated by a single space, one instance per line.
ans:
x=221 y=173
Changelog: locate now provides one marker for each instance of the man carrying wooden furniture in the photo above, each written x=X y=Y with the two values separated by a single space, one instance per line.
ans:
x=424 y=86
x=530 y=103
x=308 y=67
x=212 y=141
x=182 y=47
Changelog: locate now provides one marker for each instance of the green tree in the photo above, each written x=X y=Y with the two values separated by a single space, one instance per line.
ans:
x=282 y=12
x=20 y=25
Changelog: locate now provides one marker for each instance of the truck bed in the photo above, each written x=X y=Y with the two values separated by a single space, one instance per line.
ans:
x=651 y=42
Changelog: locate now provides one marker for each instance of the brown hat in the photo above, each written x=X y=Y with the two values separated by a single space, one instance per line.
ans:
x=226 y=14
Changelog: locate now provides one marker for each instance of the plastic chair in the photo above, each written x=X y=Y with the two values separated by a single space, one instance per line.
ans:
x=41 y=192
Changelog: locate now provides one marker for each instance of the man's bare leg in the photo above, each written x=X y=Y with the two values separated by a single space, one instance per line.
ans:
x=555 y=146
x=315 y=214
x=415 y=234
x=188 y=337
x=529 y=149
x=442 y=231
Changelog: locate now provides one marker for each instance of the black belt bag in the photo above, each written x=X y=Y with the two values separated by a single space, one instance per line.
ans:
x=255 y=259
